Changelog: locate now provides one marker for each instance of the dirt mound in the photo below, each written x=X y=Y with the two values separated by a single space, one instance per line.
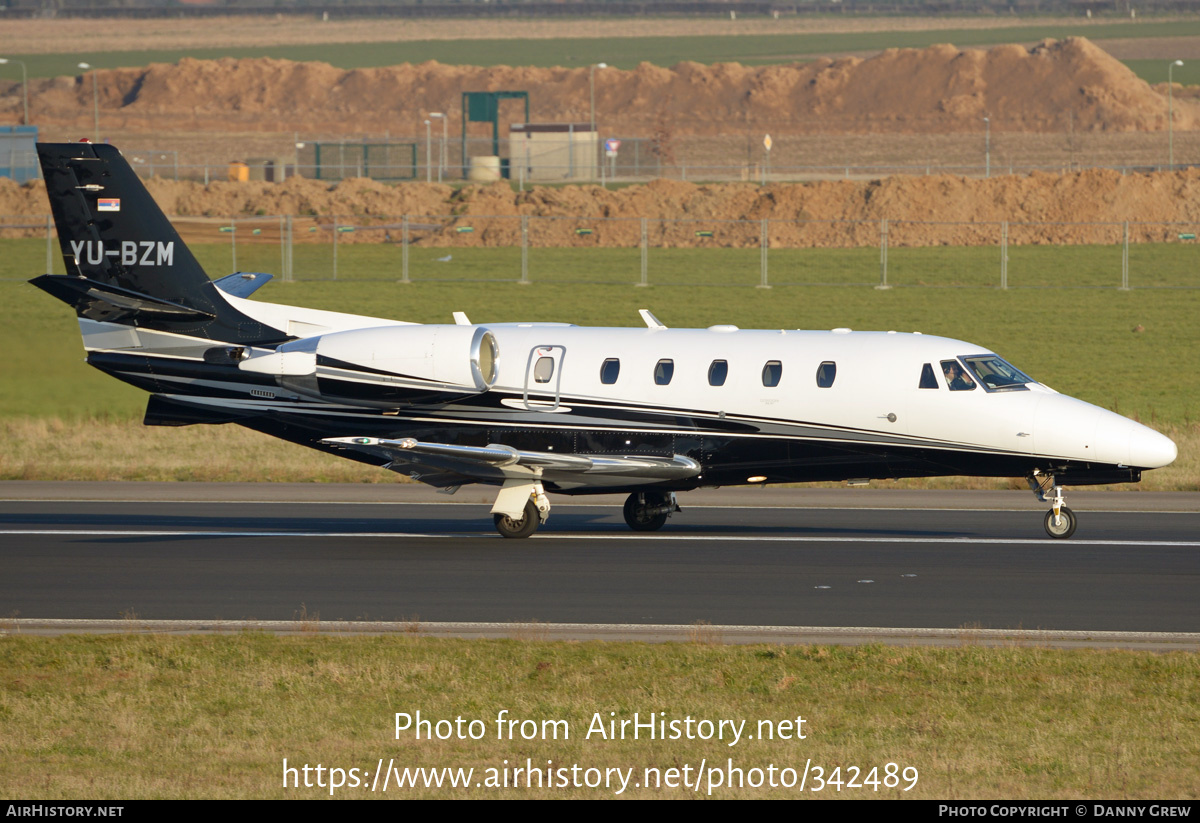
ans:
x=938 y=89
x=1059 y=203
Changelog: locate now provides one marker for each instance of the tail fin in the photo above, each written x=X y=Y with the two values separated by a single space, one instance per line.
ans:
x=125 y=262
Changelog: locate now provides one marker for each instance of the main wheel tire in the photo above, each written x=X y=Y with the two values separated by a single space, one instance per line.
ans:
x=638 y=519
x=1066 y=525
x=524 y=527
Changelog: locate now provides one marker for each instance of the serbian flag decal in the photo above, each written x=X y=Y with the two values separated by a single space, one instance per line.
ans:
x=108 y=204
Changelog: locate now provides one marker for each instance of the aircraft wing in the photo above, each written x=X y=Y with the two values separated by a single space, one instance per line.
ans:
x=444 y=464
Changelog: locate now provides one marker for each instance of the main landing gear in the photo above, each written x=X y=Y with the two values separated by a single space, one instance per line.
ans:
x=523 y=526
x=1060 y=521
x=648 y=511
x=522 y=506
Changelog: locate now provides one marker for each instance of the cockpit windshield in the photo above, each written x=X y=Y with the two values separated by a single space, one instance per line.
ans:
x=995 y=374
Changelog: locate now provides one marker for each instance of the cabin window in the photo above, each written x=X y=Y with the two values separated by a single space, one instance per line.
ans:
x=663 y=371
x=826 y=374
x=772 y=372
x=928 y=379
x=718 y=372
x=543 y=370
x=956 y=377
x=609 y=370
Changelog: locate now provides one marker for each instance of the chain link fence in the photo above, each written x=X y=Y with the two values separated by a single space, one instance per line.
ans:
x=679 y=252
x=437 y=158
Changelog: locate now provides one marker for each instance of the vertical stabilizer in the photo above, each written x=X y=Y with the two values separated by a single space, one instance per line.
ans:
x=124 y=260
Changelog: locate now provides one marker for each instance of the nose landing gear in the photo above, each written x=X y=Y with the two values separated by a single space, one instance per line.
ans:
x=1060 y=522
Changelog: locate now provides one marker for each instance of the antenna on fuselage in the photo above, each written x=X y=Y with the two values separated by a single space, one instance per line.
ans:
x=650 y=320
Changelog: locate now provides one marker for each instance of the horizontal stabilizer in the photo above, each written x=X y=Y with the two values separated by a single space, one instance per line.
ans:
x=243 y=283
x=102 y=301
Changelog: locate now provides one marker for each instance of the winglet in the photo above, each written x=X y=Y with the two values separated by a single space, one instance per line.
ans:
x=460 y=319
x=650 y=320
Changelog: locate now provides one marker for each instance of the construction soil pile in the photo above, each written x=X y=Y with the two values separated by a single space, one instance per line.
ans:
x=941 y=89
x=936 y=90
x=1061 y=204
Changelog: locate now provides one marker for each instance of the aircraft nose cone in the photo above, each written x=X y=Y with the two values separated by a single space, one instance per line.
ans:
x=1149 y=450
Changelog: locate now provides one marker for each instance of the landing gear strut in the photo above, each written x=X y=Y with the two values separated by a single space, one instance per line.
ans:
x=648 y=511
x=1060 y=521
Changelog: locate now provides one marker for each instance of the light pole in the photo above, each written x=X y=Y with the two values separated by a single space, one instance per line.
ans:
x=428 y=163
x=592 y=108
x=987 y=147
x=592 y=91
x=24 y=86
x=95 y=102
x=438 y=115
x=1170 y=117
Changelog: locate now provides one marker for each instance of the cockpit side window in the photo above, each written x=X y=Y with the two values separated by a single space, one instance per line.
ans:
x=956 y=377
x=996 y=374
x=928 y=379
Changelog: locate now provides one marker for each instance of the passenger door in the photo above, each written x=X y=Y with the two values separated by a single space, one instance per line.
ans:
x=543 y=378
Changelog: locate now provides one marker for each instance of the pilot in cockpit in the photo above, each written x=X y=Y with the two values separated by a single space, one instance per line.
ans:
x=956 y=378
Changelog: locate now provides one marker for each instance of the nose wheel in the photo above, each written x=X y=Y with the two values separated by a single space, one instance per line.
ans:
x=1060 y=522
x=1061 y=525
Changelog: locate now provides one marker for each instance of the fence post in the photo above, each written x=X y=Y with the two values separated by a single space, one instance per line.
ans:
x=524 y=250
x=404 y=249
x=233 y=240
x=1004 y=254
x=645 y=269
x=289 y=260
x=883 y=248
x=1125 y=258
x=762 y=257
x=335 y=234
x=49 y=245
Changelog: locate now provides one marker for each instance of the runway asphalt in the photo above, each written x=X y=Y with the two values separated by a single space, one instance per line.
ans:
x=825 y=559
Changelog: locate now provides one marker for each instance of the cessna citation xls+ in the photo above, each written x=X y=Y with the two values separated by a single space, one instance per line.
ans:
x=533 y=408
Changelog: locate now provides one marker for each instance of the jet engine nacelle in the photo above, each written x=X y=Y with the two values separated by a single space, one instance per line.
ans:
x=386 y=366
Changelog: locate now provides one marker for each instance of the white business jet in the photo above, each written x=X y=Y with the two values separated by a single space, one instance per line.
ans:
x=533 y=408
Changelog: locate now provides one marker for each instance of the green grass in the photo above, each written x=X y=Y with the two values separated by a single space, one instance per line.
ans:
x=1155 y=71
x=215 y=716
x=627 y=52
